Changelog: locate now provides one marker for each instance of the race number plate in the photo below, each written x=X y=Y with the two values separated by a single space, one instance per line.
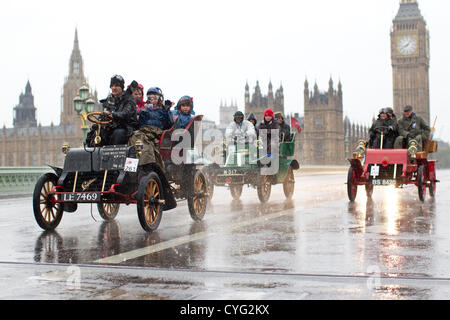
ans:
x=131 y=165
x=375 y=171
x=81 y=197
x=383 y=182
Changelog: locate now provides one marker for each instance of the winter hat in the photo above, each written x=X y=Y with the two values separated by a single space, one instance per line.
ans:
x=268 y=112
x=117 y=80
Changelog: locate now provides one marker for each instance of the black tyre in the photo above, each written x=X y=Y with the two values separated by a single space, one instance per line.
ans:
x=108 y=211
x=369 y=190
x=149 y=201
x=264 y=188
x=421 y=182
x=432 y=185
x=236 y=191
x=289 y=184
x=352 y=187
x=47 y=212
x=198 y=197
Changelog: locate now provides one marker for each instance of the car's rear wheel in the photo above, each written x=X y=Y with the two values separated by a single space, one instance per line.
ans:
x=236 y=191
x=108 y=211
x=352 y=187
x=369 y=189
x=432 y=185
x=289 y=184
x=421 y=182
x=149 y=201
x=47 y=212
x=264 y=188
x=198 y=198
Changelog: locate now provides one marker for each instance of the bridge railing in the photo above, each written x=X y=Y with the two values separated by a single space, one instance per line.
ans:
x=19 y=180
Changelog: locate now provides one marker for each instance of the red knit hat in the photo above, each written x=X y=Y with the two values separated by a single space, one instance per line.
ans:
x=268 y=112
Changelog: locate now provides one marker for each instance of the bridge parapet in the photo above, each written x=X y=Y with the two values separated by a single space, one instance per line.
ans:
x=21 y=180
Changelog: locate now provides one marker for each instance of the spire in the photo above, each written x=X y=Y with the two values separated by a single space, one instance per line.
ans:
x=76 y=46
x=28 y=88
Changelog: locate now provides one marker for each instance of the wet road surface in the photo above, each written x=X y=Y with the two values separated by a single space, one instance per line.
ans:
x=316 y=246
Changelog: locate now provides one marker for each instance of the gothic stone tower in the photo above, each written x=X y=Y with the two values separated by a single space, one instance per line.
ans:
x=25 y=111
x=259 y=103
x=72 y=83
x=323 y=134
x=410 y=54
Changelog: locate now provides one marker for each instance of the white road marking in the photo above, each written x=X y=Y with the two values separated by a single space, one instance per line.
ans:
x=189 y=238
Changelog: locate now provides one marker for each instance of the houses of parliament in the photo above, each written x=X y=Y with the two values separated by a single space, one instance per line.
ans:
x=327 y=138
x=29 y=144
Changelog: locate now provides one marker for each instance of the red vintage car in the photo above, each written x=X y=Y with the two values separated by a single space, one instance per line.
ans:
x=399 y=167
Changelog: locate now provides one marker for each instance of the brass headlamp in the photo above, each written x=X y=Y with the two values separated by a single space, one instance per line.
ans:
x=412 y=149
x=360 y=150
x=139 y=146
x=65 y=148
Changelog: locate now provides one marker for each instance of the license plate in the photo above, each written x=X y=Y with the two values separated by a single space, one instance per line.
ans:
x=81 y=197
x=231 y=172
x=383 y=182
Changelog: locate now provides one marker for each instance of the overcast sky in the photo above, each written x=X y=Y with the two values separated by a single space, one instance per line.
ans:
x=209 y=49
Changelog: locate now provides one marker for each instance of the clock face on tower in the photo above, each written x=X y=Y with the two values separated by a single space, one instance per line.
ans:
x=407 y=45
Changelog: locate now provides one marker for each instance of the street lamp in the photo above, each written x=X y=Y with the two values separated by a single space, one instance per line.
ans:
x=83 y=104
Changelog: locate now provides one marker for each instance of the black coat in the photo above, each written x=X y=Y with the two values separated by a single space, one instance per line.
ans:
x=285 y=132
x=269 y=126
x=123 y=110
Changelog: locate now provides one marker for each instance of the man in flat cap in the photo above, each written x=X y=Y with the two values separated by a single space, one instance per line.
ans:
x=411 y=126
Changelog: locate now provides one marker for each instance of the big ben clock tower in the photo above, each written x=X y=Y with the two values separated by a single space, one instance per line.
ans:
x=410 y=54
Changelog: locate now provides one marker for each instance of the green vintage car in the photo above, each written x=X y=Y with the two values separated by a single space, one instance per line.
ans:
x=246 y=165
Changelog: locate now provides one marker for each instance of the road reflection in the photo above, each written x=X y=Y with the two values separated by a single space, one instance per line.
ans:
x=394 y=227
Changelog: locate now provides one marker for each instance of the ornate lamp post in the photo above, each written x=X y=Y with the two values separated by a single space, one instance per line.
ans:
x=83 y=104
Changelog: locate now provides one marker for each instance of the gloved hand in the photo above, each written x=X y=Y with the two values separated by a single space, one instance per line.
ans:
x=168 y=104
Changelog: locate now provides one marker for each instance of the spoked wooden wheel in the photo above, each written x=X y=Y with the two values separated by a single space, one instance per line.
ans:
x=422 y=182
x=432 y=186
x=236 y=191
x=369 y=189
x=264 y=188
x=108 y=211
x=99 y=118
x=352 y=187
x=198 y=197
x=47 y=211
x=149 y=202
x=289 y=184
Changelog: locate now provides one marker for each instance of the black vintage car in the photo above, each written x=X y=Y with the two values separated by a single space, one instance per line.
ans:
x=110 y=176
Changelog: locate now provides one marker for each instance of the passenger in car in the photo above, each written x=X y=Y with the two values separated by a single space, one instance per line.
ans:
x=184 y=110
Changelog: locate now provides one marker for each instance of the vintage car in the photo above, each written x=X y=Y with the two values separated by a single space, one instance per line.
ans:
x=244 y=165
x=110 y=176
x=398 y=167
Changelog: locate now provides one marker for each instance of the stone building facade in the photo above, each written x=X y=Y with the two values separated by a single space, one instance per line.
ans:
x=259 y=102
x=323 y=135
x=226 y=112
x=30 y=144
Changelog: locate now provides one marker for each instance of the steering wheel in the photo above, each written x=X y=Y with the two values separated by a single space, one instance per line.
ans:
x=100 y=118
